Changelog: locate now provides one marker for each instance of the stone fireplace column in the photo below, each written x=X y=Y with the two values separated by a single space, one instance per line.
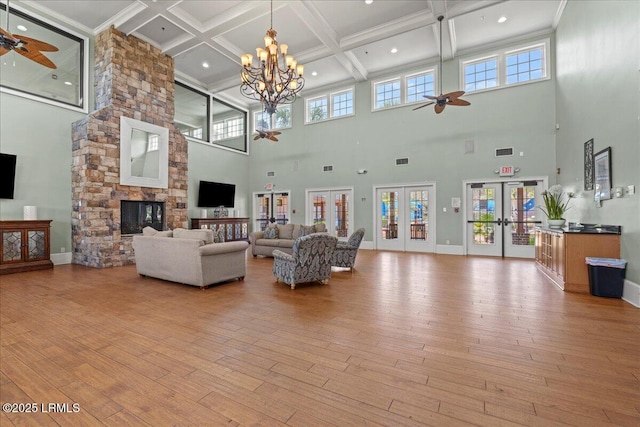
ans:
x=132 y=79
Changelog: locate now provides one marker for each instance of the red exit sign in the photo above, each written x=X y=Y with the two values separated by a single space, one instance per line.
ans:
x=507 y=171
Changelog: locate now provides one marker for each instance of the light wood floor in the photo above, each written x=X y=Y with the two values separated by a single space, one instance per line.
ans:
x=405 y=340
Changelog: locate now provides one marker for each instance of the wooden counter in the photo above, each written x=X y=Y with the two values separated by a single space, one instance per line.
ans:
x=561 y=255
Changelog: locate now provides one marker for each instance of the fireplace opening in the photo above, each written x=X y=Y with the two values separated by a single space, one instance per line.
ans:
x=136 y=215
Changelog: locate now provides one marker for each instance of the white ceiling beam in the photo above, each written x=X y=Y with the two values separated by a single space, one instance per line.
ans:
x=314 y=20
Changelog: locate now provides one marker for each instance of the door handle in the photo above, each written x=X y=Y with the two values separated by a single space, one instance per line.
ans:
x=506 y=222
x=499 y=221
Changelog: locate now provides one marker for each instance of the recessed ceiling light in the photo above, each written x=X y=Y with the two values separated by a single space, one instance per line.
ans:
x=394 y=50
x=315 y=73
x=502 y=19
x=205 y=65
x=22 y=28
x=368 y=1
x=68 y=83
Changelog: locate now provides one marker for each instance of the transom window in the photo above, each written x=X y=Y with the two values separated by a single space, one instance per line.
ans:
x=406 y=89
x=387 y=94
x=330 y=106
x=525 y=65
x=317 y=109
x=419 y=85
x=482 y=74
x=280 y=120
x=342 y=103
x=522 y=65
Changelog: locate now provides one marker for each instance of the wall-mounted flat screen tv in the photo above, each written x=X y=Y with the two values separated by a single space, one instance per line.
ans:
x=216 y=194
x=7 y=175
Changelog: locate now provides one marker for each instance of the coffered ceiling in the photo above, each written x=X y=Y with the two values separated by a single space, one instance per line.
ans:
x=337 y=41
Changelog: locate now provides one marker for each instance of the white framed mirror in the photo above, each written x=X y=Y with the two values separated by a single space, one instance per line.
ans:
x=144 y=154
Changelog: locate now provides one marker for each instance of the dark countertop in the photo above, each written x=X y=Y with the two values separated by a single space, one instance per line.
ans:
x=576 y=228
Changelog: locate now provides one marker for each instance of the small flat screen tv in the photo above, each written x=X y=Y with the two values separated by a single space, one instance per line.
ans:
x=216 y=194
x=7 y=175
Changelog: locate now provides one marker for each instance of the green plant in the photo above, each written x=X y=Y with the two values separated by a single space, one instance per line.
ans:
x=556 y=202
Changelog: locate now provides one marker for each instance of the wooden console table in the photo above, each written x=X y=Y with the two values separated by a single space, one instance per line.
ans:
x=234 y=228
x=24 y=246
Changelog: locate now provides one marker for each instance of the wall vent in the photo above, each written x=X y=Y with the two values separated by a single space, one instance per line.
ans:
x=271 y=173
x=403 y=161
x=327 y=168
x=504 y=152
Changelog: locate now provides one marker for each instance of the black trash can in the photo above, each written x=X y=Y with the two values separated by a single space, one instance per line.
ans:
x=606 y=276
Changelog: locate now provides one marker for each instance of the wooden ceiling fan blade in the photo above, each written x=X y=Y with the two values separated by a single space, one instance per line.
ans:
x=439 y=108
x=453 y=95
x=275 y=133
x=34 y=44
x=37 y=57
x=3 y=51
x=423 y=105
x=430 y=97
x=6 y=34
x=273 y=138
x=257 y=137
x=459 y=102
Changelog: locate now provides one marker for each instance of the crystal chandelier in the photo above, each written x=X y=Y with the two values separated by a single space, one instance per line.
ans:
x=276 y=78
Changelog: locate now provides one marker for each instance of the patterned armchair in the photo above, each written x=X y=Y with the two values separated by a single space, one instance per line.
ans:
x=310 y=260
x=345 y=253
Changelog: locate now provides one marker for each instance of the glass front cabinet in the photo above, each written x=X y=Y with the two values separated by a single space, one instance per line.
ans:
x=24 y=246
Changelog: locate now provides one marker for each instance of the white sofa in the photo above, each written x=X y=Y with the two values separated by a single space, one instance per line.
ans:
x=287 y=234
x=189 y=257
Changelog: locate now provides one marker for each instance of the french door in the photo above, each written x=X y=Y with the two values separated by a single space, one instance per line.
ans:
x=270 y=207
x=501 y=217
x=405 y=218
x=332 y=207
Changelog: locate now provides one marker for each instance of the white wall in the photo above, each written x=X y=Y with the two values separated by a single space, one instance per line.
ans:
x=598 y=96
x=521 y=117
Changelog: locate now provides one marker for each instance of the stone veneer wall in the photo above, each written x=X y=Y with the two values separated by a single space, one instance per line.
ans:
x=132 y=79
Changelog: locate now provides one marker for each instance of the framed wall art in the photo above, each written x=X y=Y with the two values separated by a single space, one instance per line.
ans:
x=588 y=165
x=602 y=174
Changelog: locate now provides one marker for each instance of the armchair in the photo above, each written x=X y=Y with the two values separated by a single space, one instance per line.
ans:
x=345 y=253
x=310 y=260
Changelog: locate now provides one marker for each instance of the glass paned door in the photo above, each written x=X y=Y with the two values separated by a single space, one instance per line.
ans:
x=501 y=218
x=390 y=235
x=270 y=207
x=520 y=221
x=419 y=236
x=334 y=209
x=403 y=221
x=484 y=219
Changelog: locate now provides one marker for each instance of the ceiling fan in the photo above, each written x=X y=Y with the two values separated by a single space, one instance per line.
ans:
x=451 y=98
x=266 y=134
x=25 y=46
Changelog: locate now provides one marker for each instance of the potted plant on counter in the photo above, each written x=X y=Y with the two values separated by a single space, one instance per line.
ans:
x=556 y=203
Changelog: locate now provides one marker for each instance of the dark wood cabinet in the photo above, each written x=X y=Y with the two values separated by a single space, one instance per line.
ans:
x=234 y=228
x=24 y=246
x=561 y=256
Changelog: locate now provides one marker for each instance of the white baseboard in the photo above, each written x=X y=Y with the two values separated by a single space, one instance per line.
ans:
x=366 y=244
x=63 y=258
x=449 y=249
x=631 y=293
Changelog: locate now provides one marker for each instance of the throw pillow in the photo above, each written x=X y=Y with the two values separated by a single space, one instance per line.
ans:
x=285 y=231
x=307 y=229
x=218 y=236
x=270 y=232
